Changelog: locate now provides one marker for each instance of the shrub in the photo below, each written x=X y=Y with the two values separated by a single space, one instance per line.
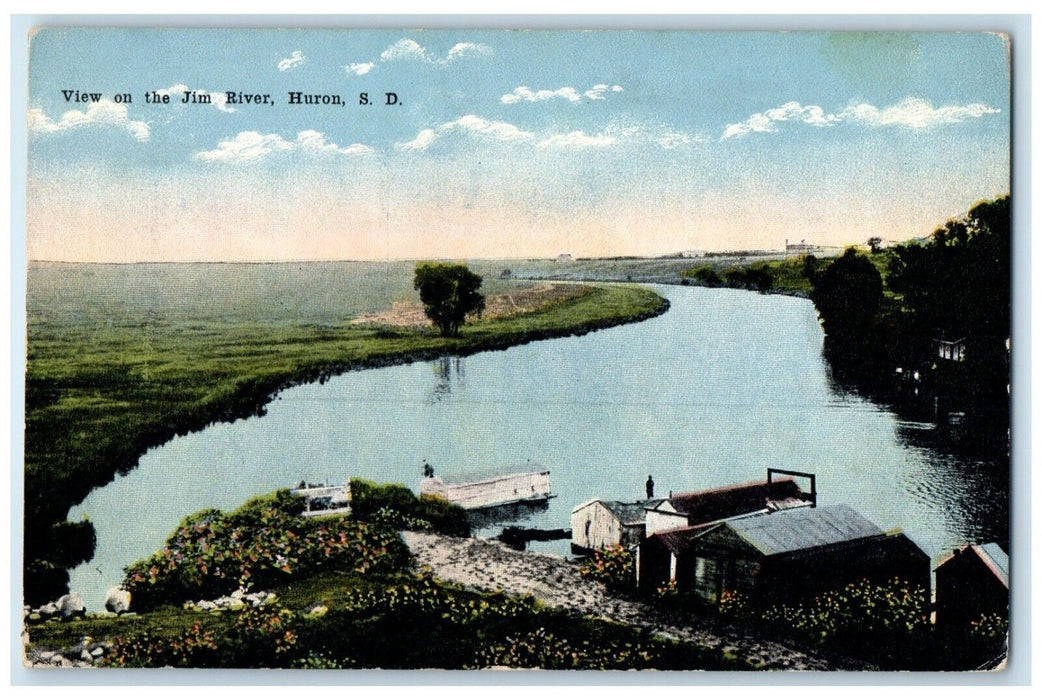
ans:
x=884 y=622
x=212 y=553
x=614 y=566
x=398 y=507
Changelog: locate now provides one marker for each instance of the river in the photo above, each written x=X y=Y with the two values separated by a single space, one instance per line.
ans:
x=725 y=385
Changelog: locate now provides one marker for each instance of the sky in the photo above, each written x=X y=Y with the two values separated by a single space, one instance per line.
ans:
x=504 y=144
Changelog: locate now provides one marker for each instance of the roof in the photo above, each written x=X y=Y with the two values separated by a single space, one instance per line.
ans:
x=803 y=528
x=996 y=559
x=991 y=555
x=729 y=501
x=679 y=539
x=626 y=513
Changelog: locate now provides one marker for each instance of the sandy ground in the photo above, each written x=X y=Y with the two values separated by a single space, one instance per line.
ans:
x=409 y=314
x=491 y=565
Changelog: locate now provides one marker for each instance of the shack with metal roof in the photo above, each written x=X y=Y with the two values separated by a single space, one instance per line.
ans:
x=598 y=523
x=971 y=586
x=780 y=555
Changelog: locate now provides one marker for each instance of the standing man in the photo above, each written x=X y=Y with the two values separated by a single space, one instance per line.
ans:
x=650 y=487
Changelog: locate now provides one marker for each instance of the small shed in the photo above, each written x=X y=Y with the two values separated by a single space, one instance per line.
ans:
x=972 y=581
x=781 y=555
x=597 y=524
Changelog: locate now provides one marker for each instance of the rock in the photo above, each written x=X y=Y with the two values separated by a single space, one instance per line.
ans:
x=117 y=600
x=205 y=605
x=318 y=611
x=239 y=593
x=71 y=605
x=97 y=652
x=86 y=656
x=47 y=611
x=46 y=655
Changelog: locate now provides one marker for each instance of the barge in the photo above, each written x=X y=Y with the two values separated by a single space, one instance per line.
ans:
x=506 y=489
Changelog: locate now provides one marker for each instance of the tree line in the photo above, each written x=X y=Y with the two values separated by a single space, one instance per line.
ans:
x=887 y=315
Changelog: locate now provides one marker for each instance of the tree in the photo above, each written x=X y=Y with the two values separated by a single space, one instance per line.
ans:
x=449 y=292
x=848 y=295
x=875 y=244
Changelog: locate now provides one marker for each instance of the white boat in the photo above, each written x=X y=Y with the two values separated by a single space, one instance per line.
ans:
x=523 y=487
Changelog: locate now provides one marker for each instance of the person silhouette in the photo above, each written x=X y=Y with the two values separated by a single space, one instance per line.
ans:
x=428 y=470
x=650 y=487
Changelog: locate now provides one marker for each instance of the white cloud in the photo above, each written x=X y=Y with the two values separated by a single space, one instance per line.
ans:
x=246 y=146
x=597 y=92
x=405 y=50
x=614 y=134
x=359 y=68
x=409 y=50
x=916 y=114
x=101 y=113
x=912 y=113
x=501 y=131
x=469 y=124
x=577 y=139
x=217 y=99
x=249 y=146
x=315 y=142
x=524 y=93
x=466 y=48
x=423 y=139
x=296 y=60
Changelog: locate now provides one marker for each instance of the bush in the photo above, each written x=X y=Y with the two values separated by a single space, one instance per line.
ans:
x=398 y=507
x=888 y=623
x=212 y=553
x=614 y=566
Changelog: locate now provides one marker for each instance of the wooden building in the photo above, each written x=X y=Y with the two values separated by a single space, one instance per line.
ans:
x=701 y=507
x=779 y=555
x=971 y=582
x=597 y=524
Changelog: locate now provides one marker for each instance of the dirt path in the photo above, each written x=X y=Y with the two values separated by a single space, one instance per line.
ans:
x=491 y=565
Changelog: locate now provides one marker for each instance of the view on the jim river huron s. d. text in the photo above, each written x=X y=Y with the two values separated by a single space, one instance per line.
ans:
x=466 y=349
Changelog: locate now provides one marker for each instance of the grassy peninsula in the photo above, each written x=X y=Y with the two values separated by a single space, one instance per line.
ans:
x=123 y=358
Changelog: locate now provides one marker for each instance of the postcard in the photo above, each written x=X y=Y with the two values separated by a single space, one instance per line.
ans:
x=517 y=349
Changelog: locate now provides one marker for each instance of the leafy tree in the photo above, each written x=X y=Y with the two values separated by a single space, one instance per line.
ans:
x=848 y=295
x=449 y=292
x=875 y=244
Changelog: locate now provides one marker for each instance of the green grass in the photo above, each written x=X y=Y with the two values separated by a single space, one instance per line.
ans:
x=107 y=379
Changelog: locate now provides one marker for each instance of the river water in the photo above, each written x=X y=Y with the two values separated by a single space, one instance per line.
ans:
x=723 y=386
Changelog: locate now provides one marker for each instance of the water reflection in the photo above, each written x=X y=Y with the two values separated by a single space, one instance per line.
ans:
x=449 y=373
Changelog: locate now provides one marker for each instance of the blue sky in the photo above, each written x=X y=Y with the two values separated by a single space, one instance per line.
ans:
x=506 y=143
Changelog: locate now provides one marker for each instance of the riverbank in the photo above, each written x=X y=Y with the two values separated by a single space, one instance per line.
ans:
x=489 y=565
x=98 y=397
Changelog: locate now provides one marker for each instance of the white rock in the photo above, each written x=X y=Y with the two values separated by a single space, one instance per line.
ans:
x=71 y=605
x=117 y=600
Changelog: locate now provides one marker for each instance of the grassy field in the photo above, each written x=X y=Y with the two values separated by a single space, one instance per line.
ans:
x=123 y=358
